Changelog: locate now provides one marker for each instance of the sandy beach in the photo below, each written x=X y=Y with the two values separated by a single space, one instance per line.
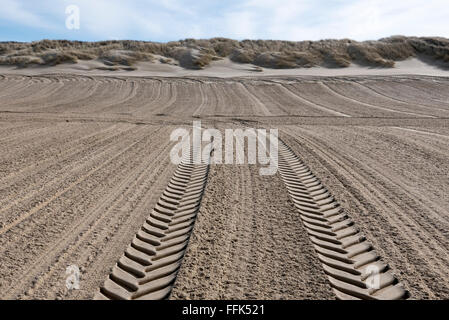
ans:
x=85 y=162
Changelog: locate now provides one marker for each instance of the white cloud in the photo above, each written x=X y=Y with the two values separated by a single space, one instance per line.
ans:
x=356 y=19
x=254 y=19
x=373 y=19
x=240 y=24
x=14 y=12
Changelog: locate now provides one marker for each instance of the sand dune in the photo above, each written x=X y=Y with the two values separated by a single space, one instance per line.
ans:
x=226 y=68
x=248 y=56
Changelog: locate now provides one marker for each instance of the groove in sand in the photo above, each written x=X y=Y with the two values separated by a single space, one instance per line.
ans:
x=318 y=106
x=150 y=264
x=346 y=255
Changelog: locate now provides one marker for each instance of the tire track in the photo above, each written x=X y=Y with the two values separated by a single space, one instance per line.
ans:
x=363 y=88
x=10 y=84
x=203 y=103
x=72 y=149
x=71 y=241
x=172 y=94
x=64 y=98
x=107 y=257
x=399 y=98
x=348 y=259
x=219 y=101
x=19 y=86
x=423 y=132
x=188 y=96
x=13 y=139
x=31 y=91
x=316 y=105
x=392 y=221
x=404 y=217
x=77 y=165
x=132 y=88
x=344 y=97
x=436 y=89
x=86 y=97
x=60 y=192
x=243 y=100
x=144 y=91
x=149 y=266
x=261 y=106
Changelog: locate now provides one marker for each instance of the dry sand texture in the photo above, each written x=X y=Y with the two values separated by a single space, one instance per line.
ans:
x=85 y=160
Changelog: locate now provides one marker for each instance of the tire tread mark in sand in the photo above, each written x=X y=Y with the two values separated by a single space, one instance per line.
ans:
x=74 y=104
x=316 y=105
x=371 y=198
x=49 y=90
x=17 y=88
x=63 y=191
x=347 y=257
x=262 y=106
x=423 y=132
x=134 y=86
x=377 y=93
x=94 y=156
x=66 y=154
x=335 y=92
x=74 y=237
x=375 y=90
x=153 y=99
x=204 y=100
x=166 y=107
x=148 y=268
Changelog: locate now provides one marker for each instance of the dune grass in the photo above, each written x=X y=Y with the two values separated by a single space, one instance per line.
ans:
x=197 y=54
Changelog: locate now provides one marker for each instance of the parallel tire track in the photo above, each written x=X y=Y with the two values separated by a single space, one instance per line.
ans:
x=347 y=257
x=148 y=268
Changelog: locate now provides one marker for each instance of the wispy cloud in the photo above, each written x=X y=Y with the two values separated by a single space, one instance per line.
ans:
x=14 y=12
x=165 y=20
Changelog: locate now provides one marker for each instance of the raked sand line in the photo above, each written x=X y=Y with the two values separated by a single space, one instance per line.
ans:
x=398 y=99
x=315 y=105
x=341 y=96
x=59 y=193
x=347 y=257
x=423 y=132
x=148 y=268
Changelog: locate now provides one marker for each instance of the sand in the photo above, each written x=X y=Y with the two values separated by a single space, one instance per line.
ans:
x=249 y=243
x=85 y=158
x=226 y=68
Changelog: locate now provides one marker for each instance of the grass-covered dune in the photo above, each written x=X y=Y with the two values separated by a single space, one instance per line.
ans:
x=196 y=54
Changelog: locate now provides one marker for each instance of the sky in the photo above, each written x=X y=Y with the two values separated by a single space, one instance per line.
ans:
x=170 y=20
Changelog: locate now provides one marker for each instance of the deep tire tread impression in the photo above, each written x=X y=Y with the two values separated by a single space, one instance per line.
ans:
x=148 y=268
x=344 y=253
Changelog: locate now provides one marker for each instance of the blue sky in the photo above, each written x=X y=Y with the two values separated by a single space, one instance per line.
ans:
x=166 y=20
